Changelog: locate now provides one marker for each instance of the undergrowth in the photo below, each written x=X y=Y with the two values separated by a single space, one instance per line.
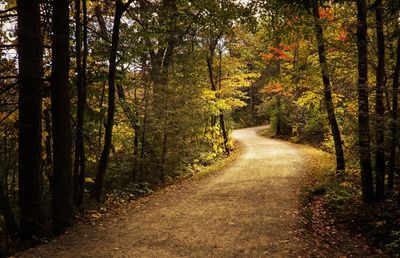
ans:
x=121 y=189
x=341 y=198
x=338 y=198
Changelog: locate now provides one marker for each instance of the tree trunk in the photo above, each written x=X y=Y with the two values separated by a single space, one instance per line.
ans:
x=363 y=109
x=98 y=185
x=79 y=163
x=221 y=113
x=224 y=132
x=103 y=92
x=279 y=130
x=379 y=105
x=210 y=61
x=340 y=162
x=164 y=152
x=143 y=142
x=136 y=138
x=30 y=55
x=394 y=122
x=8 y=214
x=210 y=66
x=60 y=107
x=48 y=162
x=82 y=172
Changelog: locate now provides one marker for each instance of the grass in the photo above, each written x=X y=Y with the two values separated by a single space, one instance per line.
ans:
x=124 y=190
x=318 y=173
x=220 y=164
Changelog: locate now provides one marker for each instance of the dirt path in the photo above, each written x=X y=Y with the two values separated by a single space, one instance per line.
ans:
x=243 y=211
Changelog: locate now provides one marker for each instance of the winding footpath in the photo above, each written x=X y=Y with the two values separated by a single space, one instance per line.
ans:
x=246 y=210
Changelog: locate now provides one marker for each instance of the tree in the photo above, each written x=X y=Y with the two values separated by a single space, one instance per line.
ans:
x=363 y=109
x=161 y=48
x=217 y=22
x=340 y=162
x=120 y=8
x=62 y=201
x=379 y=105
x=12 y=228
x=30 y=55
x=394 y=122
x=81 y=87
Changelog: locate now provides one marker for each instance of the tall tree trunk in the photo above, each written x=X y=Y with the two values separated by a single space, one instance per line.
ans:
x=363 y=109
x=394 y=122
x=379 y=105
x=98 y=185
x=8 y=214
x=79 y=165
x=221 y=112
x=143 y=142
x=340 y=162
x=211 y=75
x=164 y=151
x=103 y=92
x=136 y=138
x=30 y=55
x=48 y=162
x=279 y=130
x=224 y=132
x=60 y=107
x=210 y=61
x=82 y=172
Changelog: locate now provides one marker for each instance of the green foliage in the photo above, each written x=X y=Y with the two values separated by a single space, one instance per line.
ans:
x=340 y=192
x=314 y=130
x=281 y=121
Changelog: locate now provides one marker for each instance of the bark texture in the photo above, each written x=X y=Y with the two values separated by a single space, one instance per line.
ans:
x=30 y=55
x=62 y=203
x=340 y=162
x=394 y=124
x=12 y=229
x=363 y=109
x=379 y=105
x=81 y=60
x=98 y=185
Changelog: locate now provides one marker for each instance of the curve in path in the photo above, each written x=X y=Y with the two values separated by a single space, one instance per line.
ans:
x=247 y=210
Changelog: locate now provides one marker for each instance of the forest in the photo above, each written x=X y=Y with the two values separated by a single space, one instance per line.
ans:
x=104 y=102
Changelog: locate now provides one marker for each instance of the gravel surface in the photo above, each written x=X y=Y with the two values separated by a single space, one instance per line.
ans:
x=246 y=210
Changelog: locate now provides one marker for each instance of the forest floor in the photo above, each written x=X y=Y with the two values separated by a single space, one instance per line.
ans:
x=249 y=209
